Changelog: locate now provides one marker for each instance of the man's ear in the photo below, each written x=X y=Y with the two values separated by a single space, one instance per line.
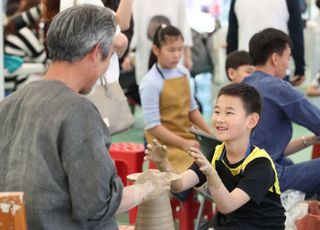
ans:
x=253 y=119
x=274 y=59
x=95 y=51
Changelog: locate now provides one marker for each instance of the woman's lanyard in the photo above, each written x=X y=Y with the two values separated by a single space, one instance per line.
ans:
x=245 y=156
x=159 y=71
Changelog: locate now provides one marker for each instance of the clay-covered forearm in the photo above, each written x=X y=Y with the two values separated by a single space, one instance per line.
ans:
x=213 y=179
x=165 y=166
x=188 y=179
x=132 y=196
x=149 y=185
x=176 y=186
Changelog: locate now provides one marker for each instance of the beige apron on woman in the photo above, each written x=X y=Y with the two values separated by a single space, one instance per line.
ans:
x=174 y=115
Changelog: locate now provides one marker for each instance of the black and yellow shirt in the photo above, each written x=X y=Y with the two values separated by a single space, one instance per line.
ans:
x=255 y=175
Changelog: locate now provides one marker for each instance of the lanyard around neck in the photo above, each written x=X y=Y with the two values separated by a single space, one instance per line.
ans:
x=245 y=156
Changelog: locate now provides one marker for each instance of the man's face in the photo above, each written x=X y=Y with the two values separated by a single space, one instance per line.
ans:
x=101 y=65
x=282 y=63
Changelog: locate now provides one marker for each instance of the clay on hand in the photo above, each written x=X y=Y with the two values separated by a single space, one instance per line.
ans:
x=156 y=152
x=206 y=167
x=156 y=183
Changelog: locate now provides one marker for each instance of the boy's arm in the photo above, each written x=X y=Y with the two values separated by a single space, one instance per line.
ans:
x=226 y=201
x=158 y=154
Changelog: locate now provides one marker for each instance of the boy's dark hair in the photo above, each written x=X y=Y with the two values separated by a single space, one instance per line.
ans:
x=159 y=37
x=248 y=94
x=236 y=59
x=266 y=42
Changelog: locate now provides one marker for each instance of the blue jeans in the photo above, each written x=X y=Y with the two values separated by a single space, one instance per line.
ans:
x=303 y=176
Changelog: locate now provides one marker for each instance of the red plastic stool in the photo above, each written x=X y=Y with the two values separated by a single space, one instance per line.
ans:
x=128 y=159
x=186 y=211
x=315 y=151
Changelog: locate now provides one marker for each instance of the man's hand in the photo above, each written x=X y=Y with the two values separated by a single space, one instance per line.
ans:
x=155 y=183
x=297 y=80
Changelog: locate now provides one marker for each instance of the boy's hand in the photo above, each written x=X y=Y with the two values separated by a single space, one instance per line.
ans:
x=204 y=165
x=156 y=152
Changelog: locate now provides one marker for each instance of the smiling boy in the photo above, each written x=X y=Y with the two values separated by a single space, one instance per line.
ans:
x=241 y=177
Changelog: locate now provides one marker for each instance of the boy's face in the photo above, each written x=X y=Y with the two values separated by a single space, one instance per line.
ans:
x=238 y=74
x=230 y=120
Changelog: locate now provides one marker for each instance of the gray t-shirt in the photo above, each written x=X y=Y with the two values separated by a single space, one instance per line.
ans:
x=54 y=147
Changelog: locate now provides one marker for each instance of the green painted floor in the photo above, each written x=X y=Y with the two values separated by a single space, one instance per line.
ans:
x=135 y=135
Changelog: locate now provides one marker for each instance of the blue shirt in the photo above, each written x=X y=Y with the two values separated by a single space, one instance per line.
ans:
x=282 y=105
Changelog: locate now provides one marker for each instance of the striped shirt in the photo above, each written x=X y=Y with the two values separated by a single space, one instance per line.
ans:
x=25 y=44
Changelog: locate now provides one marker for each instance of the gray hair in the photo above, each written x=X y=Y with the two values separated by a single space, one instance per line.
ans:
x=75 y=31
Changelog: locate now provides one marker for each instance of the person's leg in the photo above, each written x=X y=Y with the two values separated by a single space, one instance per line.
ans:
x=287 y=162
x=303 y=177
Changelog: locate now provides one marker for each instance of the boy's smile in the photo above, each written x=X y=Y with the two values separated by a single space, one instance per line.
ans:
x=230 y=119
x=219 y=128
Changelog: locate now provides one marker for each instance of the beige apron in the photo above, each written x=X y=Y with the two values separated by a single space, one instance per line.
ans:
x=174 y=115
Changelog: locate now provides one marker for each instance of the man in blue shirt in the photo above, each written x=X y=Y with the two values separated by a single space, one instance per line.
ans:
x=284 y=15
x=270 y=50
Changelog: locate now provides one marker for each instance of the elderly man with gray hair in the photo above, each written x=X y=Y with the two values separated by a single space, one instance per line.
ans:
x=54 y=143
